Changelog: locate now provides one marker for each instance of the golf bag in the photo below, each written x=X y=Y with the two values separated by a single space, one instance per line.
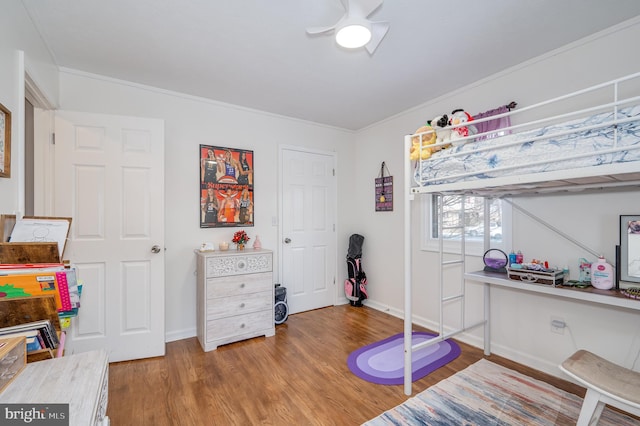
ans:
x=355 y=286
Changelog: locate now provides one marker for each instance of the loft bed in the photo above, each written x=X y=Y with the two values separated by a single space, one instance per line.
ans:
x=588 y=138
x=583 y=141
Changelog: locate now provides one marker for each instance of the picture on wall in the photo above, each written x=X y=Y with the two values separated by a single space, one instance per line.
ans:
x=629 y=248
x=226 y=187
x=5 y=142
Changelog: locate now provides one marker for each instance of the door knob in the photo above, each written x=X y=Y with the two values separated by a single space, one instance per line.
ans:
x=287 y=240
x=155 y=249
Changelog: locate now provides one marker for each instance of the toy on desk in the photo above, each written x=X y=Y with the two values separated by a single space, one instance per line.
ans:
x=585 y=271
x=631 y=292
x=495 y=260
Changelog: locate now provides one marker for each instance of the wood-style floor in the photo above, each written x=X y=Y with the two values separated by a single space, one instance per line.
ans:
x=298 y=377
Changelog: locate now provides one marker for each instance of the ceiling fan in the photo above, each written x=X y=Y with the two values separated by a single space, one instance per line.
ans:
x=354 y=30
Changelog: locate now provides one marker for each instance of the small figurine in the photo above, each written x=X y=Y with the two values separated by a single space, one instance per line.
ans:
x=257 y=244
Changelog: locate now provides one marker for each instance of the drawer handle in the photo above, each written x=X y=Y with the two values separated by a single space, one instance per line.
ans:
x=242 y=285
x=242 y=326
x=242 y=305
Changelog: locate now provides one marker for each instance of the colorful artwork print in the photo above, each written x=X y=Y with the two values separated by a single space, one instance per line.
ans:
x=226 y=187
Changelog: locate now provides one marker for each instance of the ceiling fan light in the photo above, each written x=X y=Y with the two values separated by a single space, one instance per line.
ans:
x=353 y=36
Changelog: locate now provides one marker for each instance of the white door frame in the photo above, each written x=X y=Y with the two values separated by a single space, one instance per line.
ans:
x=334 y=155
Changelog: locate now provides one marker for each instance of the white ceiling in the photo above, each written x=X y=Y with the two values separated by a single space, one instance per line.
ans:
x=256 y=53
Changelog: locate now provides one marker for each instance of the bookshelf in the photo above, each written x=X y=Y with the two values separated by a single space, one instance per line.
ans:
x=21 y=310
x=26 y=249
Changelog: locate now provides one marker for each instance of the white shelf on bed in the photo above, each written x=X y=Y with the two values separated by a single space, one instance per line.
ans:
x=602 y=297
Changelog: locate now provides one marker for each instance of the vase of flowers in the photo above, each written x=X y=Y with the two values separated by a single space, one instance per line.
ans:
x=240 y=238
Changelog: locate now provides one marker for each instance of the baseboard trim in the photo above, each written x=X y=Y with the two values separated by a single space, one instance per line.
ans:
x=172 y=336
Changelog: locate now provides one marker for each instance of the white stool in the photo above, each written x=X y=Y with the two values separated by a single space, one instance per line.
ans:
x=606 y=383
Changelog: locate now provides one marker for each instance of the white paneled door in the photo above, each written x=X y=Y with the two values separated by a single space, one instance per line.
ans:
x=308 y=244
x=109 y=178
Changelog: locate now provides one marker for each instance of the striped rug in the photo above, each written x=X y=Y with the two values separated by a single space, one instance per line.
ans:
x=486 y=394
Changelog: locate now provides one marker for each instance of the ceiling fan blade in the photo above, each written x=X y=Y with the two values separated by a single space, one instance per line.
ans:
x=378 y=31
x=362 y=8
x=320 y=30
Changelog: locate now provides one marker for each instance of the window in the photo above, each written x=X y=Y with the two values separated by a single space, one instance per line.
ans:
x=470 y=220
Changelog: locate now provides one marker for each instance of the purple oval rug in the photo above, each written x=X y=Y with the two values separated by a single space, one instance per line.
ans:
x=383 y=362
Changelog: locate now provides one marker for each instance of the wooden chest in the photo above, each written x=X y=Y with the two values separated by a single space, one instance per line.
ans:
x=13 y=359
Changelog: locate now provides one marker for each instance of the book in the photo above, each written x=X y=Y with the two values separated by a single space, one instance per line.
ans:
x=60 y=352
x=44 y=327
x=33 y=339
x=33 y=344
x=17 y=283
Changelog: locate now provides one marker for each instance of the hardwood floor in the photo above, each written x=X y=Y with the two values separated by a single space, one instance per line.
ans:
x=298 y=377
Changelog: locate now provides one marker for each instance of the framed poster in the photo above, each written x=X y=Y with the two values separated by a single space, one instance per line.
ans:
x=629 y=248
x=5 y=142
x=226 y=187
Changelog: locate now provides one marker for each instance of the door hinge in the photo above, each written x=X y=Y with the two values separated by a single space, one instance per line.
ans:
x=53 y=138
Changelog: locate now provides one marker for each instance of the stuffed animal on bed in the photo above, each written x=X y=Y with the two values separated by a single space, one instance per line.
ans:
x=427 y=139
x=442 y=135
x=460 y=117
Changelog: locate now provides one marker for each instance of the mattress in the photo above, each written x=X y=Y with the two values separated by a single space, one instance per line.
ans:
x=569 y=145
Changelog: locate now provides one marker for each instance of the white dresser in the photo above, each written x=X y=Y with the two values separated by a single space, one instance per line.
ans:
x=80 y=380
x=234 y=297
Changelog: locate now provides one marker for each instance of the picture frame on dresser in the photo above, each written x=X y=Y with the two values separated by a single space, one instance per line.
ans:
x=629 y=267
x=5 y=142
x=226 y=187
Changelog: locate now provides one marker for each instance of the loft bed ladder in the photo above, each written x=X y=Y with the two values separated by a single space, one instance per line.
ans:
x=454 y=259
x=444 y=262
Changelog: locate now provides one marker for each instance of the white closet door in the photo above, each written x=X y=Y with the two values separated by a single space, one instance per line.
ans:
x=308 y=235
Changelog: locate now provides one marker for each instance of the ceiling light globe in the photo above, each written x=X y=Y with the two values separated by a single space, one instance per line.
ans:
x=353 y=36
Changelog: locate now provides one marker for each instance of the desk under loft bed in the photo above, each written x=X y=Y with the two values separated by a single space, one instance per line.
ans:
x=587 y=140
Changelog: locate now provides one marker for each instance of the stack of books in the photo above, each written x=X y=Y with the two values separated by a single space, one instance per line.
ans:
x=40 y=335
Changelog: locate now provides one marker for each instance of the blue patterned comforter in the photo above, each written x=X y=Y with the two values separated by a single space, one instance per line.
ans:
x=556 y=147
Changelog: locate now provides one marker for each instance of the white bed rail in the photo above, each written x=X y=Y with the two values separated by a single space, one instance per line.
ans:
x=604 y=98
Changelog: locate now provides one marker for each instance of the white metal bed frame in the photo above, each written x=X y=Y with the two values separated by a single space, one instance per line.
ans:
x=617 y=175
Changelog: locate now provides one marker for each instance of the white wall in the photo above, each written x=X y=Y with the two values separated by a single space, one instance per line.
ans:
x=521 y=329
x=191 y=121
x=21 y=50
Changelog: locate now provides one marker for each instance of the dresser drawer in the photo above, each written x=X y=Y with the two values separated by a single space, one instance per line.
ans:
x=238 y=264
x=238 y=305
x=238 y=325
x=13 y=359
x=238 y=285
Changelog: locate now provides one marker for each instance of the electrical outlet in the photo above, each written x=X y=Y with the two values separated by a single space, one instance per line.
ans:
x=558 y=325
